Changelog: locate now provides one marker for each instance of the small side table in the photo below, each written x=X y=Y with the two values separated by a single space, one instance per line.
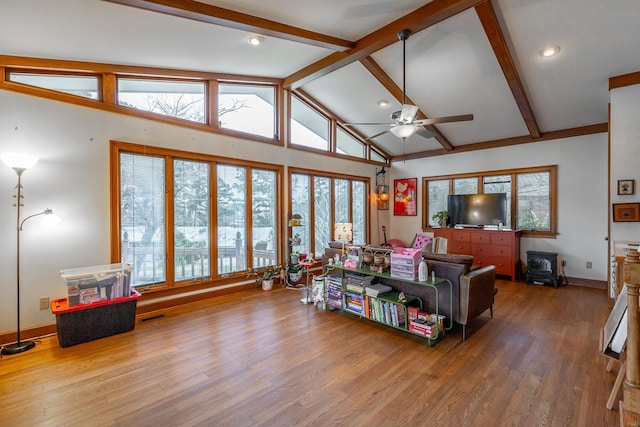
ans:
x=306 y=265
x=542 y=267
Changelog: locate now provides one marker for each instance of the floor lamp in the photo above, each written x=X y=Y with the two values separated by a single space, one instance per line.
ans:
x=20 y=163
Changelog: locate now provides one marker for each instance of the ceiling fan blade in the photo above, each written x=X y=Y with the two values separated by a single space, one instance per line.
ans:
x=448 y=119
x=377 y=135
x=408 y=113
x=424 y=133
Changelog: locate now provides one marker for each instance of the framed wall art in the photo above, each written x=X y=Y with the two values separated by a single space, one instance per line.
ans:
x=626 y=212
x=626 y=187
x=405 y=200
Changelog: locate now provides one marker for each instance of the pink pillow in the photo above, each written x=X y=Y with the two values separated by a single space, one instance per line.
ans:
x=421 y=241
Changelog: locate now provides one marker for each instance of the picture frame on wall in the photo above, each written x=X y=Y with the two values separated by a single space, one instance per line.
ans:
x=626 y=212
x=405 y=201
x=626 y=187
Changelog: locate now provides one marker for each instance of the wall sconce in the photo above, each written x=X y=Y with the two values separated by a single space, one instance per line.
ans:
x=20 y=163
x=383 y=197
x=383 y=190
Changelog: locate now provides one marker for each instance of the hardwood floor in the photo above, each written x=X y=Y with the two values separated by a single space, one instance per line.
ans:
x=263 y=358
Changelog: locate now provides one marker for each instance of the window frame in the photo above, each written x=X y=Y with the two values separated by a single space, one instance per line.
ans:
x=553 y=195
x=312 y=174
x=169 y=155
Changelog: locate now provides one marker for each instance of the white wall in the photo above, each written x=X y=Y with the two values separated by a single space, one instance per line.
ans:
x=625 y=154
x=72 y=178
x=582 y=195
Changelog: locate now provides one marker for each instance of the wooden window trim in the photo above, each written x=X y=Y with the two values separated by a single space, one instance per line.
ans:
x=553 y=195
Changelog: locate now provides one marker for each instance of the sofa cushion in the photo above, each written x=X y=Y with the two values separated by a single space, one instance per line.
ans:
x=466 y=260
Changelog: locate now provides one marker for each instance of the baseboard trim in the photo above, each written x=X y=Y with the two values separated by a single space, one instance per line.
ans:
x=589 y=283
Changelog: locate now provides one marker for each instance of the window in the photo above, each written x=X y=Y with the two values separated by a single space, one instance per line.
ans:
x=311 y=197
x=308 y=127
x=192 y=249
x=533 y=190
x=79 y=85
x=180 y=99
x=499 y=184
x=247 y=108
x=534 y=201
x=142 y=229
x=346 y=144
x=245 y=212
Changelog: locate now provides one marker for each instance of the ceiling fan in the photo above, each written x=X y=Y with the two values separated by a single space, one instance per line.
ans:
x=404 y=123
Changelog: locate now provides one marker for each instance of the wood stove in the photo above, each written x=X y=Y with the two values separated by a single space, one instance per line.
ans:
x=542 y=267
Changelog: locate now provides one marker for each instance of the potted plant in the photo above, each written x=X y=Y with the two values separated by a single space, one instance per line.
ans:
x=296 y=240
x=441 y=218
x=294 y=272
x=296 y=219
x=268 y=276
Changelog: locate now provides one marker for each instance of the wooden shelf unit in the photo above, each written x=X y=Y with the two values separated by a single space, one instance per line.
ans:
x=488 y=247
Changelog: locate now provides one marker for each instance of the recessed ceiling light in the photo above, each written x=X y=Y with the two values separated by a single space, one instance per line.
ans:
x=255 y=40
x=383 y=103
x=550 y=51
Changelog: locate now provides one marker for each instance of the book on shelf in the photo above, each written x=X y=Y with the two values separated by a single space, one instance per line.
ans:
x=377 y=289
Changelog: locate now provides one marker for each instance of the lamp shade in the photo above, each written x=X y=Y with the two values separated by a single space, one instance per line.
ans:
x=404 y=131
x=18 y=160
x=49 y=218
x=343 y=232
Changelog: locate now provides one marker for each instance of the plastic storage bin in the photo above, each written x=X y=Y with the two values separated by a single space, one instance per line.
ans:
x=88 y=322
x=91 y=284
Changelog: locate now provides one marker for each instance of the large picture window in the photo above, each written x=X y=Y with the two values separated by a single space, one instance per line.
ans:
x=208 y=200
x=532 y=189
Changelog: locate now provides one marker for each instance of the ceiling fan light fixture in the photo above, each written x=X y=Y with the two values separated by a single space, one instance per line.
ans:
x=404 y=131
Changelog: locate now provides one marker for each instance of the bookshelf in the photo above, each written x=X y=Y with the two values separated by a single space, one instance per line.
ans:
x=344 y=292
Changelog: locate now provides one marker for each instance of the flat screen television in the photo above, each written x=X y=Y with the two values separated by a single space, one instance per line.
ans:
x=477 y=209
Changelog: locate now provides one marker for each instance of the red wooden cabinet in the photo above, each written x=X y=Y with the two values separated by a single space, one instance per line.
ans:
x=488 y=247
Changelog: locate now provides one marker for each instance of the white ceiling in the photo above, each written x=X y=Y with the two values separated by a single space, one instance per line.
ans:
x=451 y=66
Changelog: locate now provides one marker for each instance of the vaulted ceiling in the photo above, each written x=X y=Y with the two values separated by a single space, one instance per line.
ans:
x=465 y=56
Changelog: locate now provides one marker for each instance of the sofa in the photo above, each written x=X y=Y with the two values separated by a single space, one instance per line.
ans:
x=473 y=289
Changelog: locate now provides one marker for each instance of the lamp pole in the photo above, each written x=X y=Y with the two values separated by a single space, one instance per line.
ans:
x=18 y=346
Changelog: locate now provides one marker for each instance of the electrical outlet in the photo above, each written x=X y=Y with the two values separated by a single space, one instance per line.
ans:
x=44 y=303
x=589 y=264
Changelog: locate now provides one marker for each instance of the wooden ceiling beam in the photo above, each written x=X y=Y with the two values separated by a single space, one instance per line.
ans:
x=506 y=142
x=430 y=14
x=239 y=21
x=492 y=28
x=376 y=70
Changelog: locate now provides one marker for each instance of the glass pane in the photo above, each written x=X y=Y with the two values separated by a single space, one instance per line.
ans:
x=263 y=217
x=85 y=86
x=249 y=109
x=346 y=144
x=500 y=184
x=142 y=207
x=359 y=212
x=308 y=127
x=342 y=200
x=438 y=192
x=377 y=156
x=465 y=186
x=322 y=226
x=192 y=247
x=533 y=201
x=183 y=100
x=301 y=204
x=232 y=221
